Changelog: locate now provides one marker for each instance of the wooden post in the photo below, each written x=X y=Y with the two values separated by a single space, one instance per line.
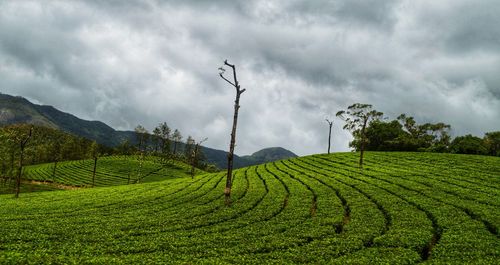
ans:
x=230 y=155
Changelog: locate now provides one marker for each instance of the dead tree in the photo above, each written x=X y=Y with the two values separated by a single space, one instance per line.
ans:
x=22 y=144
x=94 y=153
x=239 y=91
x=194 y=157
x=330 y=123
x=94 y=171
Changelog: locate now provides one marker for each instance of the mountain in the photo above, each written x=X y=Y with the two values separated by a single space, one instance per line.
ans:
x=20 y=110
x=219 y=158
x=268 y=155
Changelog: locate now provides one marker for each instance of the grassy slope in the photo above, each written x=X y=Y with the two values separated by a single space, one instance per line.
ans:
x=402 y=208
x=111 y=171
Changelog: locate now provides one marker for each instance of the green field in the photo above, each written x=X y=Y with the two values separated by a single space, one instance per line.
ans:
x=403 y=208
x=110 y=171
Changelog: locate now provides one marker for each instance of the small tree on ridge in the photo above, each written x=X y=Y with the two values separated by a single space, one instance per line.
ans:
x=356 y=118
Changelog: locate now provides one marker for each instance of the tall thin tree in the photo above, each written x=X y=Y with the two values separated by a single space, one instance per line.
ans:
x=239 y=91
x=330 y=123
x=94 y=153
x=357 y=117
x=196 y=156
x=176 y=138
x=22 y=144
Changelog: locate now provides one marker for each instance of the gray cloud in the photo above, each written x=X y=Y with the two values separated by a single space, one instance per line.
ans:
x=130 y=62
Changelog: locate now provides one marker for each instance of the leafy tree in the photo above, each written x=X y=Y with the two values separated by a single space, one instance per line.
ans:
x=155 y=138
x=424 y=137
x=380 y=136
x=125 y=148
x=165 y=138
x=197 y=156
x=357 y=117
x=468 y=144
x=176 y=138
x=142 y=137
x=189 y=147
x=492 y=141
x=21 y=139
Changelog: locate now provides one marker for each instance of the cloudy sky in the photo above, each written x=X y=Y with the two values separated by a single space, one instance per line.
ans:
x=131 y=62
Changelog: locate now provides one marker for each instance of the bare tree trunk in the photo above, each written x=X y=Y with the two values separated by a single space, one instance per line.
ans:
x=227 y=190
x=23 y=145
x=140 y=167
x=54 y=172
x=18 y=180
x=93 y=173
x=329 y=134
x=363 y=142
x=194 y=160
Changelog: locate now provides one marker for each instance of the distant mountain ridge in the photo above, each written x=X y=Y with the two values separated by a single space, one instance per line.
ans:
x=20 y=110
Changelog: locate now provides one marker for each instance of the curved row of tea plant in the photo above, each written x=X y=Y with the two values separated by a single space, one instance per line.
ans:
x=402 y=208
x=112 y=170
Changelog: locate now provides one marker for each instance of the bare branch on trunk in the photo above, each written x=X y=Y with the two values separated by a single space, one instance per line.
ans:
x=239 y=91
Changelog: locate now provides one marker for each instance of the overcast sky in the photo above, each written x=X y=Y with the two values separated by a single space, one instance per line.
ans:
x=145 y=62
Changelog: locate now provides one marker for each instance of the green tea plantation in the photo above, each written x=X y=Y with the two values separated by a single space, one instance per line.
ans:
x=110 y=171
x=401 y=208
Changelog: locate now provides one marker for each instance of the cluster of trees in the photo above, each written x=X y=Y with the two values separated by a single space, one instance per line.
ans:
x=45 y=145
x=373 y=133
x=24 y=144
x=167 y=143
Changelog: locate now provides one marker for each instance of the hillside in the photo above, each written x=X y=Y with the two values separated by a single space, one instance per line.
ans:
x=110 y=171
x=19 y=110
x=403 y=208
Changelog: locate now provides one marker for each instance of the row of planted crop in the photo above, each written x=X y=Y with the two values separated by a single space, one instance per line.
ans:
x=455 y=219
x=307 y=210
x=481 y=202
x=80 y=172
x=243 y=215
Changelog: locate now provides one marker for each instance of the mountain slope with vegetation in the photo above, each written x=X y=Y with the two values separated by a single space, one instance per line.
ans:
x=16 y=110
x=402 y=208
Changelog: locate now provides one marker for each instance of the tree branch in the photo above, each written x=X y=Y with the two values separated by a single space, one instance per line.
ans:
x=227 y=80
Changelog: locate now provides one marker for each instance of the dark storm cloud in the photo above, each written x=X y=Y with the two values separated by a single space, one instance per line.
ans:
x=130 y=62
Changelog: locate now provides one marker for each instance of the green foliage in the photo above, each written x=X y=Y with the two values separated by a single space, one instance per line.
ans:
x=404 y=134
x=492 y=142
x=468 y=144
x=45 y=145
x=380 y=136
x=402 y=208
